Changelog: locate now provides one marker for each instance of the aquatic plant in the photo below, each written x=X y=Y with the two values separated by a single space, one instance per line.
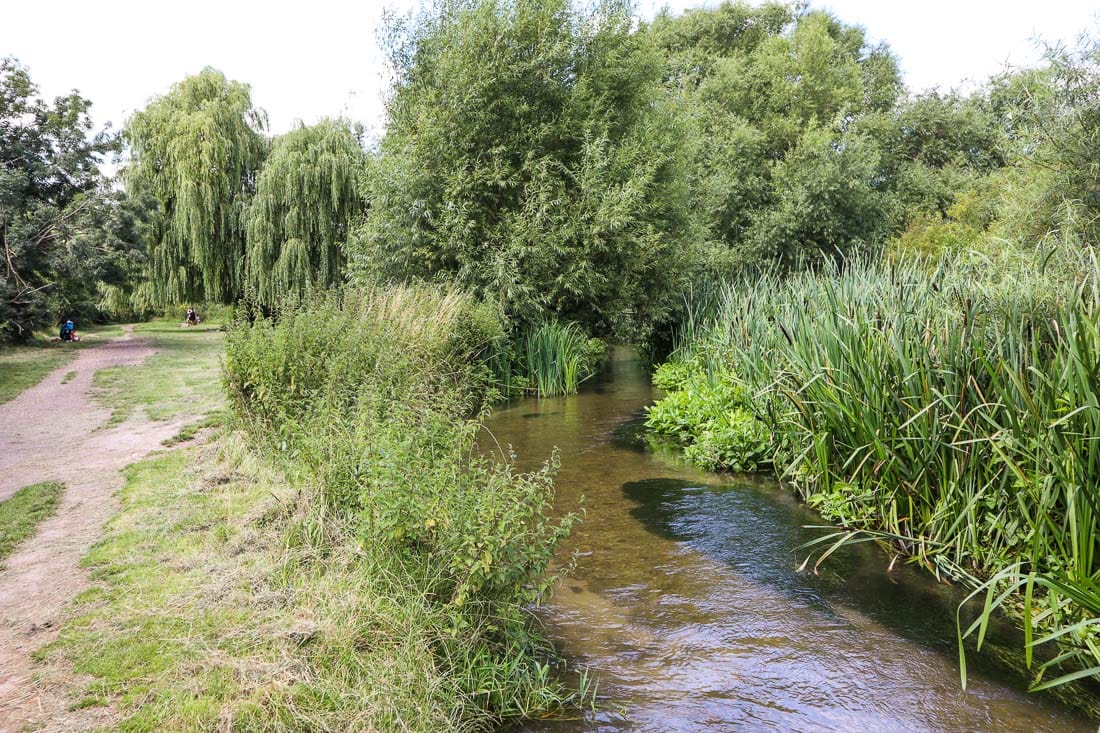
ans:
x=556 y=357
x=949 y=413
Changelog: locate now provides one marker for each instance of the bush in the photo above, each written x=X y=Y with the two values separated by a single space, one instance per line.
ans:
x=372 y=397
x=711 y=418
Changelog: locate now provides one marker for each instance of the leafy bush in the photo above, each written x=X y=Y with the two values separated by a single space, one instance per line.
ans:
x=711 y=419
x=369 y=396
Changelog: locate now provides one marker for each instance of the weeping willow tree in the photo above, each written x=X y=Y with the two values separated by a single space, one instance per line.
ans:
x=198 y=149
x=306 y=197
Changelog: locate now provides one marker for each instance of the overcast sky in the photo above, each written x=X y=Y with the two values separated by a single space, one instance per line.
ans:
x=321 y=58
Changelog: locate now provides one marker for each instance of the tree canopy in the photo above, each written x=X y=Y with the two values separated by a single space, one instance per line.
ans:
x=61 y=230
x=563 y=161
x=530 y=158
x=198 y=150
x=307 y=195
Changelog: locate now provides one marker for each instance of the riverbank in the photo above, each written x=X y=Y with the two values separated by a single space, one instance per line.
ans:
x=947 y=413
x=239 y=584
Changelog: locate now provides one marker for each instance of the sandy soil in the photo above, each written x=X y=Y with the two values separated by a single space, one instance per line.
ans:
x=52 y=432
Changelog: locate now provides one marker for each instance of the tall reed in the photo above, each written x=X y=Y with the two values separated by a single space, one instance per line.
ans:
x=947 y=413
x=557 y=357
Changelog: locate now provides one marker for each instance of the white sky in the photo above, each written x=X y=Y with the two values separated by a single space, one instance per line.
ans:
x=321 y=58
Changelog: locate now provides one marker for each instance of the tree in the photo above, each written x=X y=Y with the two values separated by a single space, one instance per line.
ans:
x=1055 y=115
x=48 y=187
x=773 y=95
x=307 y=195
x=530 y=158
x=198 y=150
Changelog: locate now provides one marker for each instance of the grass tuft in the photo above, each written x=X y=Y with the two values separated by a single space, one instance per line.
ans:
x=23 y=511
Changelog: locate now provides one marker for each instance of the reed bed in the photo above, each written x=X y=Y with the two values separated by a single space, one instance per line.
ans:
x=948 y=412
x=555 y=358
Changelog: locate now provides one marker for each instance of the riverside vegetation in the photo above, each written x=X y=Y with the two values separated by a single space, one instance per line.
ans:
x=949 y=415
x=371 y=401
x=891 y=302
x=335 y=555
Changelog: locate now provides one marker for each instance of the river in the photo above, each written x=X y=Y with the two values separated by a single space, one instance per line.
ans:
x=688 y=607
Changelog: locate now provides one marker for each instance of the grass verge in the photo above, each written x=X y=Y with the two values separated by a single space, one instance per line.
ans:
x=182 y=378
x=215 y=605
x=21 y=513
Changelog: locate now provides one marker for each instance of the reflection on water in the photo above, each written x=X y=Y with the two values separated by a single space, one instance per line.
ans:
x=687 y=606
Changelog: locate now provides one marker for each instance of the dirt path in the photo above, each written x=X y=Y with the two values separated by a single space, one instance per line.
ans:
x=50 y=432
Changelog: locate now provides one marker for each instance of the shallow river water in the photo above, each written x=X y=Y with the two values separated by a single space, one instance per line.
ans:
x=687 y=605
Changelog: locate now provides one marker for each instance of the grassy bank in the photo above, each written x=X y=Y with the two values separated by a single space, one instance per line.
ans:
x=336 y=558
x=221 y=598
x=948 y=413
x=370 y=402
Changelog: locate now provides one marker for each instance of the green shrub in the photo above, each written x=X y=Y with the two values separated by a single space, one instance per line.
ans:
x=372 y=396
x=711 y=419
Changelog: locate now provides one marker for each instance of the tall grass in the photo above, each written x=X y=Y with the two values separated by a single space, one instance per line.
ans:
x=949 y=413
x=555 y=358
x=372 y=399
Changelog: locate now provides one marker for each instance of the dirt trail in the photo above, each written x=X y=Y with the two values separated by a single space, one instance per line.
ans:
x=51 y=432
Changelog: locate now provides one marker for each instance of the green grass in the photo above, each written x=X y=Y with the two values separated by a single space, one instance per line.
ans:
x=21 y=513
x=182 y=378
x=189 y=431
x=171 y=628
x=24 y=366
x=220 y=598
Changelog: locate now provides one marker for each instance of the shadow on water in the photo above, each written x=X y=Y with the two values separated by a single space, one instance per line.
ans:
x=688 y=606
x=754 y=531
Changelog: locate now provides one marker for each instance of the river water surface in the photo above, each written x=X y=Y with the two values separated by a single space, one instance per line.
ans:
x=687 y=606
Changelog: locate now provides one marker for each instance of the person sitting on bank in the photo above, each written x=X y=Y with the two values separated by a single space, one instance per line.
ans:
x=192 y=317
x=68 y=331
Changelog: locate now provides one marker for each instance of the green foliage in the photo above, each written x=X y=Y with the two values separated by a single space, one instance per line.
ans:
x=555 y=358
x=198 y=150
x=711 y=419
x=307 y=195
x=1055 y=126
x=946 y=412
x=939 y=145
x=773 y=98
x=21 y=513
x=825 y=204
x=369 y=396
x=530 y=159
x=61 y=229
